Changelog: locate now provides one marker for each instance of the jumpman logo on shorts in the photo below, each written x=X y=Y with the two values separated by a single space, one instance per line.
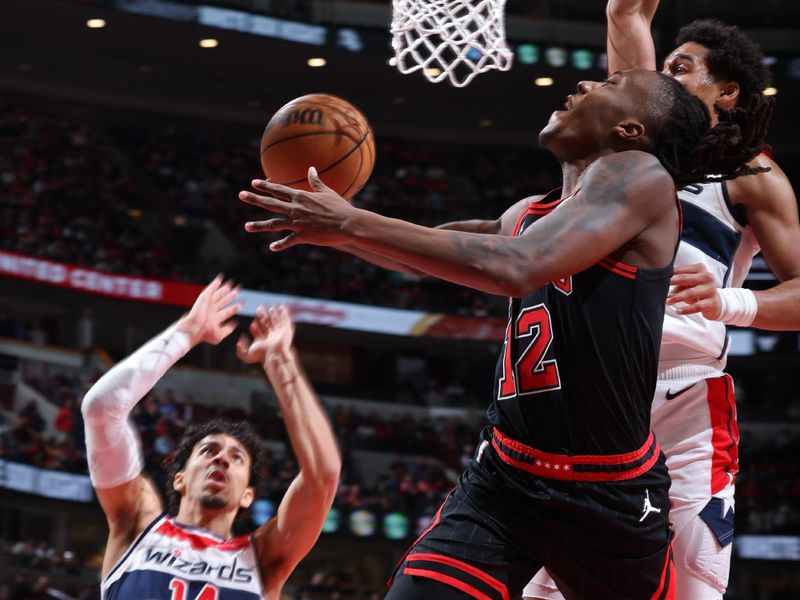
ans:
x=648 y=508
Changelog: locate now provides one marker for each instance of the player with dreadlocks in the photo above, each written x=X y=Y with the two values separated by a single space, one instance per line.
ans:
x=727 y=222
x=189 y=550
x=562 y=473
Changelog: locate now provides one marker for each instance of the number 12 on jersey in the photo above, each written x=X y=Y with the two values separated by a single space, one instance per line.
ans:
x=534 y=374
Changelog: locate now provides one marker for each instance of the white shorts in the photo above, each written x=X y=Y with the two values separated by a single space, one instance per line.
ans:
x=695 y=423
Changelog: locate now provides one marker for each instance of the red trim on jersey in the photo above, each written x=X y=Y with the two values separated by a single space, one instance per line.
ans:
x=540 y=208
x=578 y=459
x=561 y=466
x=446 y=579
x=724 y=432
x=201 y=542
x=466 y=567
x=666 y=587
x=618 y=268
x=518 y=224
x=430 y=526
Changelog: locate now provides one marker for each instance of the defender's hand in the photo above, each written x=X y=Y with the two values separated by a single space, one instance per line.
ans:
x=695 y=286
x=272 y=333
x=314 y=217
x=211 y=316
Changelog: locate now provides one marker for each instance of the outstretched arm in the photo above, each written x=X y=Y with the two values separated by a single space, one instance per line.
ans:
x=629 y=40
x=112 y=445
x=502 y=226
x=620 y=195
x=285 y=540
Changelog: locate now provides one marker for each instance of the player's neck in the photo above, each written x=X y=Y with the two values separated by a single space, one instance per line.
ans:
x=573 y=170
x=218 y=522
x=571 y=174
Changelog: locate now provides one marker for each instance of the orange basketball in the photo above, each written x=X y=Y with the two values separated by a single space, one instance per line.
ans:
x=322 y=131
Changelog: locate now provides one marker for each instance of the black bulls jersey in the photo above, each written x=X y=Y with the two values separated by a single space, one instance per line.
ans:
x=578 y=368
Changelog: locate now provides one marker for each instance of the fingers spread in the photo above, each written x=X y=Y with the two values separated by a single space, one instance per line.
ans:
x=227 y=329
x=293 y=239
x=273 y=189
x=228 y=296
x=230 y=311
x=278 y=224
x=271 y=204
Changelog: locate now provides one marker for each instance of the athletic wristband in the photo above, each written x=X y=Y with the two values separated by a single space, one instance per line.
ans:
x=738 y=306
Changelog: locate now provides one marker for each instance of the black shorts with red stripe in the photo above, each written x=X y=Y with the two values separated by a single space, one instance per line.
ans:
x=600 y=524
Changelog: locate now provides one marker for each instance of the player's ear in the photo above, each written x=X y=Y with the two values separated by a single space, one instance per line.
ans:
x=629 y=130
x=247 y=498
x=728 y=95
x=179 y=484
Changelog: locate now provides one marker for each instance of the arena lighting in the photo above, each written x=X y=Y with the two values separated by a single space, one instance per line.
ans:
x=770 y=91
x=528 y=54
x=208 y=43
x=485 y=123
x=543 y=81
x=556 y=57
x=432 y=71
x=317 y=62
x=96 y=23
x=583 y=59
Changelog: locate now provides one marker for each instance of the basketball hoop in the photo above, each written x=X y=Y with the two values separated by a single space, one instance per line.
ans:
x=449 y=39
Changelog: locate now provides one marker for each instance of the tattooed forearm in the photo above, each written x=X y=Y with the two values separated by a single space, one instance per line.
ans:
x=606 y=213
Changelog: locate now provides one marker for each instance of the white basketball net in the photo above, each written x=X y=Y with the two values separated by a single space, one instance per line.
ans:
x=449 y=39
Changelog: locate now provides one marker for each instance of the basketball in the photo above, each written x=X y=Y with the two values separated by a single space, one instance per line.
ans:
x=322 y=131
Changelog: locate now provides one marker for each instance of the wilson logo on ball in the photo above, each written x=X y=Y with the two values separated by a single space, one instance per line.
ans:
x=303 y=117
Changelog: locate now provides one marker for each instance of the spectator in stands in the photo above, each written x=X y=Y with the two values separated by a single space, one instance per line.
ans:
x=64 y=422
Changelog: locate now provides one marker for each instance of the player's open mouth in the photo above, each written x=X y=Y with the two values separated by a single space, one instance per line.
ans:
x=217 y=476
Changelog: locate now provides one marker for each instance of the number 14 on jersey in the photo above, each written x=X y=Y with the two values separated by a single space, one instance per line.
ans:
x=180 y=591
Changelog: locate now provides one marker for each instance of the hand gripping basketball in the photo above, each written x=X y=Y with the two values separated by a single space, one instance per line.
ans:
x=314 y=217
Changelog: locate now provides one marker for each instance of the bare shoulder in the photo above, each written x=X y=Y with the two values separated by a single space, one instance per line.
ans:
x=764 y=190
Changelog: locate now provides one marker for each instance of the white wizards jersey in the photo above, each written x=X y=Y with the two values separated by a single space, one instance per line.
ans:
x=692 y=346
x=173 y=561
x=694 y=410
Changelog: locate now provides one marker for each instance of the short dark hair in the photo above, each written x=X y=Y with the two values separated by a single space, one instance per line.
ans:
x=691 y=150
x=732 y=55
x=242 y=431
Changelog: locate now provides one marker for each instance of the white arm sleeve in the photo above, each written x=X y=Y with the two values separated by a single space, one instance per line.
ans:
x=112 y=444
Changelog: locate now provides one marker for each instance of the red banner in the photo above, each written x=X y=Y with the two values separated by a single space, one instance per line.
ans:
x=101 y=283
x=359 y=317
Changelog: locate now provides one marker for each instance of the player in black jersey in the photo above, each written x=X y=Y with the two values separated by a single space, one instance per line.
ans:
x=568 y=476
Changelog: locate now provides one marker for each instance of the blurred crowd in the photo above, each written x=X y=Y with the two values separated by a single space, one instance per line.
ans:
x=110 y=194
x=768 y=486
x=29 y=570
x=69 y=195
x=410 y=484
